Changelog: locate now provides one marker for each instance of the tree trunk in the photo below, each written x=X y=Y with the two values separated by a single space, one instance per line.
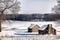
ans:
x=1 y=18
x=0 y=25
x=0 y=22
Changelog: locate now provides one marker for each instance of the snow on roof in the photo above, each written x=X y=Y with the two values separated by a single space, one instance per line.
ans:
x=43 y=27
x=32 y=25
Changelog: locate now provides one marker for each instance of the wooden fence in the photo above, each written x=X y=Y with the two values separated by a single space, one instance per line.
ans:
x=36 y=37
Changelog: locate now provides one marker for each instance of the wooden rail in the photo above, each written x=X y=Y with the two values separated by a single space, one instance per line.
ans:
x=36 y=37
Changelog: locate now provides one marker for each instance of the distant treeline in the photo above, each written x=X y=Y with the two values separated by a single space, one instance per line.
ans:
x=32 y=17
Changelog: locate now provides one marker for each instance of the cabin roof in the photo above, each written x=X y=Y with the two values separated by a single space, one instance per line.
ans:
x=43 y=27
x=32 y=25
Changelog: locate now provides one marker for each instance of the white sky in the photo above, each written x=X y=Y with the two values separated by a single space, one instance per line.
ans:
x=36 y=6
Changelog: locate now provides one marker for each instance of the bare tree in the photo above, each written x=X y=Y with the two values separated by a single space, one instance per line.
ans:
x=56 y=10
x=8 y=7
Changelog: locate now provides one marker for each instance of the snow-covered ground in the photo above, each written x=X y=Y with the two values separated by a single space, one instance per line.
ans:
x=23 y=24
x=8 y=26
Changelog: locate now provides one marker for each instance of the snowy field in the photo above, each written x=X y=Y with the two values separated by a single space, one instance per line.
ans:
x=9 y=34
x=8 y=26
x=23 y=24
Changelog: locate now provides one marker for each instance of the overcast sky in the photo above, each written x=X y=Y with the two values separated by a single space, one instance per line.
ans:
x=37 y=6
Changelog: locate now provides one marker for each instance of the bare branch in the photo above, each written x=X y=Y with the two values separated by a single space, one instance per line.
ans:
x=10 y=6
x=15 y=7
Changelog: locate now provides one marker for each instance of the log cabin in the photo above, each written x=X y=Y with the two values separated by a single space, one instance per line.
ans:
x=47 y=29
x=33 y=28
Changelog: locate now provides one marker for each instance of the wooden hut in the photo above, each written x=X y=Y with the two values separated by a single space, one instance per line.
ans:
x=47 y=29
x=43 y=29
x=33 y=28
x=51 y=30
